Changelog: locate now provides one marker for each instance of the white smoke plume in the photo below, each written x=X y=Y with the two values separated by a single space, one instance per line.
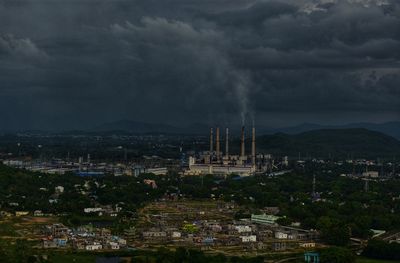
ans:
x=242 y=85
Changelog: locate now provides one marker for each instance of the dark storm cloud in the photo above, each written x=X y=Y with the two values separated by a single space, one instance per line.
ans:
x=19 y=48
x=68 y=64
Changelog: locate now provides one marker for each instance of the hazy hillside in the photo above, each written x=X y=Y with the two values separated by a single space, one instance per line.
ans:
x=135 y=127
x=129 y=126
x=389 y=128
x=331 y=142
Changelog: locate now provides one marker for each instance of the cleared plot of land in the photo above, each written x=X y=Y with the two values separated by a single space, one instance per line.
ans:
x=183 y=211
x=38 y=220
x=26 y=227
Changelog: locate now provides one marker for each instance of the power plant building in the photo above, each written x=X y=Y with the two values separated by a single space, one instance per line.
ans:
x=218 y=163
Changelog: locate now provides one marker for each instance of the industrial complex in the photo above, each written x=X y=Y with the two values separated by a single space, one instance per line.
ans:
x=217 y=162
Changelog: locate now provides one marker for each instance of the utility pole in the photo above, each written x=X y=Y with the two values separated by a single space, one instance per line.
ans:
x=366 y=185
x=313 y=185
x=393 y=165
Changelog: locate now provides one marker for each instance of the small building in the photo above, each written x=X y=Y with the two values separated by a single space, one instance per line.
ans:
x=38 y=213
x=295 y=224
x=208 y=241
x=279 y=246
x=113 y=245
x=5 y=214
x=61 y=242
x=262 y=246
x=311 y=257
x=121 y=241
x=176 y=234
x=92 y=209
x=94 y=246
x=248 y=239
x=307 y=245
x=281 y=235
x=59 y=189
x=21 y=213
x=57 y=230
x=264 y=219
x=243 y=229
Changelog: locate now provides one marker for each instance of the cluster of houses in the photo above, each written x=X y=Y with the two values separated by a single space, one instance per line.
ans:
x=244 y=234
x=82 y=238
x=260 y=232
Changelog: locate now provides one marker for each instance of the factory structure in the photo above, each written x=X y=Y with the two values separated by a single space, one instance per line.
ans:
x=218 y=162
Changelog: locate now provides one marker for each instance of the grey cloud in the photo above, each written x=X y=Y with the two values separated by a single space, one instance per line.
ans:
x=20 y=48
x=168 y=32
x=255 y=14
x=195 y=60
x=184 y=63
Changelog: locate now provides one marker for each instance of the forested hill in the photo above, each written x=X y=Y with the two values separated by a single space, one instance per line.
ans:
x=331 y=142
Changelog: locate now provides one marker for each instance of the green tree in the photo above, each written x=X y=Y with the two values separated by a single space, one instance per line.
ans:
x=337 y=255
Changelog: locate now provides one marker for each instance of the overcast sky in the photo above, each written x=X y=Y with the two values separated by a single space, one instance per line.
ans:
x=68 y=64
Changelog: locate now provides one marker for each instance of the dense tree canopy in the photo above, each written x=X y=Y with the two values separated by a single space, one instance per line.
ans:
x=343 y=210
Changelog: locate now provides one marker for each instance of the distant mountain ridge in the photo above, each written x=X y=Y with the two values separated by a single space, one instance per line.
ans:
x=135 y=127
x=358 y=143
x=388 y=128
x=360 y=140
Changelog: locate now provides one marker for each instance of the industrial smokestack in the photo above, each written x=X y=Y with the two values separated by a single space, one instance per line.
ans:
x=211 y=140
x=227 y=142
x=217 y=147
x=242 y=144
x=253 y=147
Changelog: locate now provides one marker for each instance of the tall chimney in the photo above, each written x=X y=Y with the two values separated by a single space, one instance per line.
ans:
x=253 y=147
x=217 y=147
x=242 y=143
x=211 y=140
x=227 y=143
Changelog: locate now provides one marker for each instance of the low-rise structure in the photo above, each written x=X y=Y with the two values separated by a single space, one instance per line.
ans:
x=94 y=246
x=246 y=239
x=264 y=219
x=281 y=235
x=21 y=213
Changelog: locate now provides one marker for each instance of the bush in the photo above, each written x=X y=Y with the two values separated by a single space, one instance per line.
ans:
x=382 y=250
x=337 y=255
